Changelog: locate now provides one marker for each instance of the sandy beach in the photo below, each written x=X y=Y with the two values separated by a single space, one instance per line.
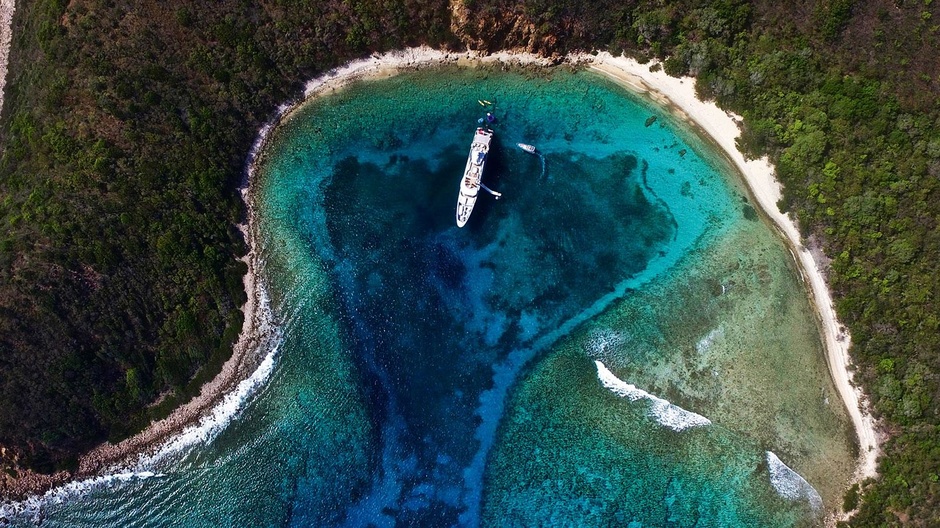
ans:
x=258 y=332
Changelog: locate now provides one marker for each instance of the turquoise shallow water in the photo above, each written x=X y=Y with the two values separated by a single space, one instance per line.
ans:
x=433 y=376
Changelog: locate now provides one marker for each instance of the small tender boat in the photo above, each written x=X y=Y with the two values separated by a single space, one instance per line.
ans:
x=526 y=147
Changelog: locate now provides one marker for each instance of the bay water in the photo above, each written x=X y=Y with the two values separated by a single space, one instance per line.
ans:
x=621 y=340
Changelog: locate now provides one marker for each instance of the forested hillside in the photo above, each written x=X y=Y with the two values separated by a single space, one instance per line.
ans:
x=126 y=130
x=127 y=124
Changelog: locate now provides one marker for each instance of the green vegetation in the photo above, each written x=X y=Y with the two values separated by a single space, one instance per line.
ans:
x=126 y=127
x=859 y=156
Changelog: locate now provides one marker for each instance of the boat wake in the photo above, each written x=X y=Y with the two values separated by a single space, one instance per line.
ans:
x=534 y=151
x=667 y=414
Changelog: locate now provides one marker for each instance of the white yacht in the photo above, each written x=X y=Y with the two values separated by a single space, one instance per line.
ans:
x=471 y=182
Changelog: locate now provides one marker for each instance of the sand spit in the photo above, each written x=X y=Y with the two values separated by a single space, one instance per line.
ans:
x=677 y=94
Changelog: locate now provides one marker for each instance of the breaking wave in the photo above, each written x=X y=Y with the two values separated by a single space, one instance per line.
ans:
x=789 y=484
x=706 y=342
x=31 y=508
x=667 y=414
x=267 y=336
x=604 y=343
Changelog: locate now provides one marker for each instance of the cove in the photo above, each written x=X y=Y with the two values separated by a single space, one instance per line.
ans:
x=429 y=375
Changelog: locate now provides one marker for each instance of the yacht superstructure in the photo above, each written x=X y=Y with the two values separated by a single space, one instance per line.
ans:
x=472 y=179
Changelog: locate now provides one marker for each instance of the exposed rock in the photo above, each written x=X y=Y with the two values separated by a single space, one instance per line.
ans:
x=493 y=30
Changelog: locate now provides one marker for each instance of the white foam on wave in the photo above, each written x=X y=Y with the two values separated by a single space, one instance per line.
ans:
x=31 y=507
x=789 y=484
x=603 y=343
x=60 y=494
x=706 y=342
x=221 y=416
x=209 y=427
x=667 y=414
x=233 y=403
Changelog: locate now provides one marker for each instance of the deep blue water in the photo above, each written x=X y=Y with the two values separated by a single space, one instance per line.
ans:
x=421 y=377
